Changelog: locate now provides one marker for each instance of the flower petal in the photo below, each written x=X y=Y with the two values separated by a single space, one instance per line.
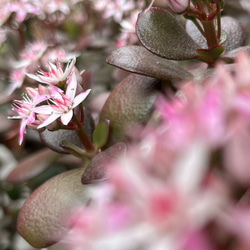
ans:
x=71 y=88
x=66 y=117
x=80 y=98
x=70 y=66
x=49 y=120
x=44 y=109
x=22 y=130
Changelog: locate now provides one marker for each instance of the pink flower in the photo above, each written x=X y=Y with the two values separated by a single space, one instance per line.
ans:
x=114 y=9
x=16 y=80
x=55 y=74
x=63 y=104
x=22 y=8
x=51 y=6
x=128 y=35
x=58 y=54
x=4 y=12
x=26 y=110
x=31 y=54
x=178 y=6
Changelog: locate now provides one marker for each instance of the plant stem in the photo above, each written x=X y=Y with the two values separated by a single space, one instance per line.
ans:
x=210 y=33
x=198 y=26
x=85 y=140
x=218 y=27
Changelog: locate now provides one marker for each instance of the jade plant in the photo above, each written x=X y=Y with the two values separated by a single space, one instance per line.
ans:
x=172 y=38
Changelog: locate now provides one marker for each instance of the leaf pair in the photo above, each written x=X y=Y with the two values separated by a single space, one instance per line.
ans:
x=164 y=38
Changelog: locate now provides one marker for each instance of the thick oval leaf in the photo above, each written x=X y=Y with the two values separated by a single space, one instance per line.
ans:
x=42 y=220
x=129 y=103
x=161 y=33
x=235 y=31
x=31 y=166
x=54 y=139
x=138 y=60
x=233 y=53
x=231 y=28
x=96 y=170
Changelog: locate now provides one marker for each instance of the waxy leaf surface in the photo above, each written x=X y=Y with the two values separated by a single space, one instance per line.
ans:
x=139 y=60
x=97 y=168
x=161 y=33
x=44 y=217
x=233 y=34
x=130 y=103
x=31 y=166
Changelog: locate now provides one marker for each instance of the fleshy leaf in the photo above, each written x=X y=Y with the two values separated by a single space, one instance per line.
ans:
x=233 y=34
x=42 y=221
x=139 y=60
x=96 y=170
x=31 y=166
x=54 y=139
x=161 y=33
x=130 y=103
x=231 y=55
x=101 y=133
x=235 y=31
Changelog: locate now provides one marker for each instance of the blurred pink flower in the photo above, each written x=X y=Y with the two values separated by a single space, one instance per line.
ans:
x=58 y=54
x=139 y=207
x=178 y=6
x=128 y=35
x=239 y=224
x=22 y=8
x=16 y=80
x=114 y=9
x=31 y=54
x=168 y=190
x=4 y=13
x=51 y=6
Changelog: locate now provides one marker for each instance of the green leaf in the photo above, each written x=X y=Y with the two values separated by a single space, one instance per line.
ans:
x=223 y=37
x=213 y=53
x=73 y=149
x=44 y=218
x=139 y=60
x=161 y=33
x=101 y=133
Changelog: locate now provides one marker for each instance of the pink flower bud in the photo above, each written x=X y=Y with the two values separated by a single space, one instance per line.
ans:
x=178 y=6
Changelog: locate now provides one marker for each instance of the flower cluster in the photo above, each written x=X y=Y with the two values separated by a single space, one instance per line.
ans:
x=23 y=9
x=172 y=190
x=59 y=96
x=123 y=12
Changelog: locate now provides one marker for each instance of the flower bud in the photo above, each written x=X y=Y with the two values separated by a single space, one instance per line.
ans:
x=178 y=6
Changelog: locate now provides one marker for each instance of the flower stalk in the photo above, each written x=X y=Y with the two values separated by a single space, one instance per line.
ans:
x=83 y=136
x=210 y=33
